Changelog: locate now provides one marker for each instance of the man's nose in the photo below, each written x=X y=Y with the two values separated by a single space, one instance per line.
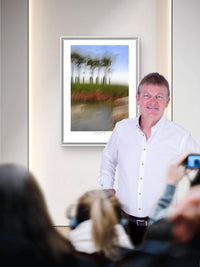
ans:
x=153 y=99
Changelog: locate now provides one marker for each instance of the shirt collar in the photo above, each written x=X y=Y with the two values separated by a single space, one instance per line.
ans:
x=138 y=122
x=156 y=126
x=159 y=123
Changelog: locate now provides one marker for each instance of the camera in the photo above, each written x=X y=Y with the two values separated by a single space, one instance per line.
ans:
x=192 y=161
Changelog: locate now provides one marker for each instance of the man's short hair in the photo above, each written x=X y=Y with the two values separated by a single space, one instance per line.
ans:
x=156 y=79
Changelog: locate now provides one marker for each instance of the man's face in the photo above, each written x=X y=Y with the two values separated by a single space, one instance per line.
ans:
x=152 y=100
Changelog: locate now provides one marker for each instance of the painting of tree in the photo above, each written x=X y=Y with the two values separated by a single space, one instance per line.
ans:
x=98 y=97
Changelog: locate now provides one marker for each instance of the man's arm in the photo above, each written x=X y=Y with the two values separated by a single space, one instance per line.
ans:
x=189 y=145
x=109 y=163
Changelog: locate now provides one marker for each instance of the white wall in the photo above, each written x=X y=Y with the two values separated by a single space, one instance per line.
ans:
x=66 y=172
x=186 y=43
x=186 y=65
x=14 y=81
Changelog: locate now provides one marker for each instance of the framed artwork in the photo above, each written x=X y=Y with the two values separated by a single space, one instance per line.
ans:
x=99 y=78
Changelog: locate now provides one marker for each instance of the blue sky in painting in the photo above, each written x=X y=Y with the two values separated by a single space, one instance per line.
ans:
x=118 y=53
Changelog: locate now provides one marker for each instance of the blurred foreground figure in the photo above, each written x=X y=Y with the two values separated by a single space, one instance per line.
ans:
x=186 y=218
x=27 y=235
x=98 y=228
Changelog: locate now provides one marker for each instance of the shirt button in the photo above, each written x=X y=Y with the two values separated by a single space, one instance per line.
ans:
x=140 y=194
x=140 y=178
x=139 y=209
x=142 y=163
x=145 y=149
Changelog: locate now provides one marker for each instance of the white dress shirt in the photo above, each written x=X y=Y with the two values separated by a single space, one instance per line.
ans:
x=142 y=165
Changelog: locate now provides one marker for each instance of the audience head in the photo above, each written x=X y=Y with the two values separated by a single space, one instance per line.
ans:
x=186 y=217
x=103 y=209
x=23 y=212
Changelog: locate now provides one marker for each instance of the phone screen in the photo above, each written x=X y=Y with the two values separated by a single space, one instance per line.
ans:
x=193 y=161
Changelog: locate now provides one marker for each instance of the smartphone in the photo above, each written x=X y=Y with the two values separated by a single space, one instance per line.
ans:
x=192 y=161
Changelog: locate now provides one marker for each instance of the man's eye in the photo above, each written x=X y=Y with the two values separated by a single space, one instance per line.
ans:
x=159 y=97
x=146 y=96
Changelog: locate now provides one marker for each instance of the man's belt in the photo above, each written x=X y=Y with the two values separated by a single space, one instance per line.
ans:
x=139 y=221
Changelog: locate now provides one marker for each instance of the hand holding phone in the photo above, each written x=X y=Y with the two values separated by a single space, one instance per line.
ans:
x=192 y=161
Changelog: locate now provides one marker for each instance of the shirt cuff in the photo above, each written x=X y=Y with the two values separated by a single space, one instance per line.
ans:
x=104 y=183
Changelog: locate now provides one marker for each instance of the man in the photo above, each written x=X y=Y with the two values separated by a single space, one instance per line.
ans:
x=142 y=148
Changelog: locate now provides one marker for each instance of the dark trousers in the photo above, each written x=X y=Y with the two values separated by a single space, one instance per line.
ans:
x=135 y=231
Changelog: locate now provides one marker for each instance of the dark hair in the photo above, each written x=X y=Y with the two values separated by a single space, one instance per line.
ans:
x=156 y=79
x=23 y=213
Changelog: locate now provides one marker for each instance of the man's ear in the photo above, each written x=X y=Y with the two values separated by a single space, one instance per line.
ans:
x=168 y=100
x=137 y=97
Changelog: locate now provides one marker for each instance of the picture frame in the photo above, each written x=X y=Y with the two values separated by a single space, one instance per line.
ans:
x=99 y=78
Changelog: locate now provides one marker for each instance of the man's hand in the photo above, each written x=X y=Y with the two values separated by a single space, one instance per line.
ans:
x=111 y=191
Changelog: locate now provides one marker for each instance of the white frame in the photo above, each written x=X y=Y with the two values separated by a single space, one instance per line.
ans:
x=69 y=137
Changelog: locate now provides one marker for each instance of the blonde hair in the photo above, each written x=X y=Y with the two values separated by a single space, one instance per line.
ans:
x=103 y=209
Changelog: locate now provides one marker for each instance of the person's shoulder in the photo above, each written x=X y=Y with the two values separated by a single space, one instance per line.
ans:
x=127 y=122
x=176 y=127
